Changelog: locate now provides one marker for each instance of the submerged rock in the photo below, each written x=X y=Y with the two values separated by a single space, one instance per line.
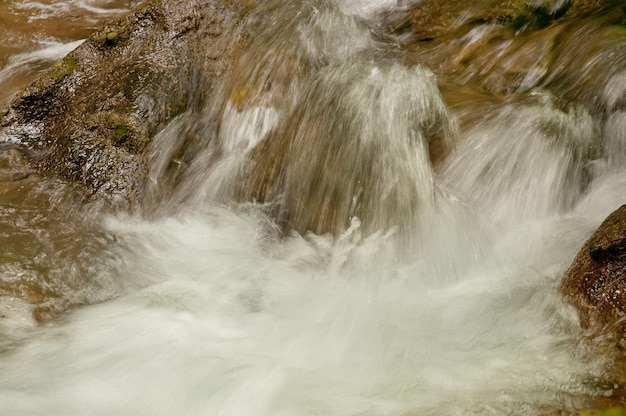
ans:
x=341 y=154
x=596 y=282
x=509 y=47
x=432 y=18
x=90 y=117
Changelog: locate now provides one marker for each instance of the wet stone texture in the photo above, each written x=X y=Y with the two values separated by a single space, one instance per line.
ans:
x=90 y=117
x=430 y=19
x=596 y=282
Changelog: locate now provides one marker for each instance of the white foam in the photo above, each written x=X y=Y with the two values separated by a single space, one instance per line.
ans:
x=217 y=316
x=42 y=11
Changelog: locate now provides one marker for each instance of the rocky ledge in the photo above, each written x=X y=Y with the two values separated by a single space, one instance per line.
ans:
x=90 y=117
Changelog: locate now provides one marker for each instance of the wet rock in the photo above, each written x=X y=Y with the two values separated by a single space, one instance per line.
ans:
x=596 y=282
x=527 y=63
x=505 y=47
x=90 y=117
x=597 y=83
x=431 y=19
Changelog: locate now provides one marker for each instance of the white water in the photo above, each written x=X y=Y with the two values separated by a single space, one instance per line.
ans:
x=45 y=9
x=216 y=316
x=51 y=51
x=456 y=312
x=36 y=34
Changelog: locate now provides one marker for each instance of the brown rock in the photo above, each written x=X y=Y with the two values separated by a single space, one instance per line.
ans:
x=432 y=18
x=596 y=282
x=90 y=117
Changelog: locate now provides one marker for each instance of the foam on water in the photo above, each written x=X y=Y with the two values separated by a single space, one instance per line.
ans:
x=46 y=10
x=51 y=51
x=216 y=315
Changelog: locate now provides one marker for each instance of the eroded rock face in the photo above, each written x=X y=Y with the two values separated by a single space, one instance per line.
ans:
x=596 y=282
x=90 y=117
x=431 y=18
x=512 y=46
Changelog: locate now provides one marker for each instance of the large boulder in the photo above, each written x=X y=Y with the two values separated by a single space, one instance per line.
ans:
x=596 y=281
x=90 y=117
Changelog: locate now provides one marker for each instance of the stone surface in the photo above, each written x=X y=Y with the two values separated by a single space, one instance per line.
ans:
x=507 y=47
x=432 y=18
x=90 y=117
x=596 y=281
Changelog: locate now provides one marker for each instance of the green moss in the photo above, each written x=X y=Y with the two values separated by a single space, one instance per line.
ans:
x=110 y=38
x=120 y=129
x=63 y=68
x=121 y=134
x=616 y=411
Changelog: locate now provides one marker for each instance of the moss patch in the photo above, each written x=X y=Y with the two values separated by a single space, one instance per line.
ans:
x=111 y=37
x=616 y=411
x=63 y=68
x=121 y=130
x=121 y=134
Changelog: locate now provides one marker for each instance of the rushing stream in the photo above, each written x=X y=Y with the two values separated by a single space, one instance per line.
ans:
x=436 y=296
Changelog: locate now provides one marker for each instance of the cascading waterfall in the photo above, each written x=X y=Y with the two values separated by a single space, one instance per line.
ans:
x=541 y=170
x=307 y=257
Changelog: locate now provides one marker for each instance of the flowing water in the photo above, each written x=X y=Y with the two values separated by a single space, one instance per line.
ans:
x=36 y=34
x=434 y=294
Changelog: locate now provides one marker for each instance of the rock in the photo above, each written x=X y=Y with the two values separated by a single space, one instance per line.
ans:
x=596 y=282
x=90 y=117
x=512 y=47
x=432 y=18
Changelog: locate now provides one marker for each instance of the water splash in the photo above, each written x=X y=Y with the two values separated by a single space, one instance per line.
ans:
x=218 y=315
x=529 y=161
x=28 y=61
x=435 y=292
x=356 y=145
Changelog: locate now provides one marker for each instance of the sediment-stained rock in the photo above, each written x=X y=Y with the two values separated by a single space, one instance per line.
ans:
x=90 y=117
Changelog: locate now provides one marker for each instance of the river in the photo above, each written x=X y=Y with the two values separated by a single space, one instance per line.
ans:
x=439 y=298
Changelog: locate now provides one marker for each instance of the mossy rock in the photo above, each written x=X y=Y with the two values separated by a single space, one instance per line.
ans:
x=63 y=68
x=123 y=130
x=431 y=19
x=90 y=117
x=110 y=38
